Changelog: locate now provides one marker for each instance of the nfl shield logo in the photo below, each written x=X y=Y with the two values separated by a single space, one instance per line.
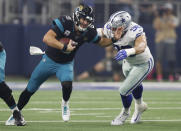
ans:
x=67 y=33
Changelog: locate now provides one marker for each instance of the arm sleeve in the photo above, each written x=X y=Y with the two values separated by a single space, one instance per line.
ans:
x=136 y=31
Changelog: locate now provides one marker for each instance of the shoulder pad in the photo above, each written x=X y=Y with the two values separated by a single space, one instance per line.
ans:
x=65 y=19
x=63 y=23
x=91 y=28
x=135 y=30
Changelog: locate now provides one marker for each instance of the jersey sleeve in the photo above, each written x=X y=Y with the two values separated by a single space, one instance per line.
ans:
x=107 y=30
x=94 y=36
x=59 y=25
x=99 y=32
x=135 y=31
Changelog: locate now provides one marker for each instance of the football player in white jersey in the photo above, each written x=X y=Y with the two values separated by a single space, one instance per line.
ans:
x=130 y=41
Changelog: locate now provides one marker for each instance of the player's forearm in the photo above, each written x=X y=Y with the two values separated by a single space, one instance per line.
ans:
x=140 y=44
x=52 y=42
x=140 y=48
x=104 y=42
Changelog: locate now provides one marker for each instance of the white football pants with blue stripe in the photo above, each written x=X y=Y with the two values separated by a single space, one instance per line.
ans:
x=134 y=74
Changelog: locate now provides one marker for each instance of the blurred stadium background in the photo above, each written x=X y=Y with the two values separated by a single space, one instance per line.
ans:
x=24 y=22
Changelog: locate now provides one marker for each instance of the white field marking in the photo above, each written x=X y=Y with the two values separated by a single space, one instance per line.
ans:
x=97 y=102
x=45 y=112
x=72 y=109
x=164 y=99
x=87 y=114
x=78 y=102
x=92 y=97
x=104 y=116
x=84 y=85
x=74 y=114
x=100 y=102
x=93 y=121
x=91 y=109
x=163 y=102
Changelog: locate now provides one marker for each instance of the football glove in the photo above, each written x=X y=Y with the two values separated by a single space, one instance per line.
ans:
x=122 y=54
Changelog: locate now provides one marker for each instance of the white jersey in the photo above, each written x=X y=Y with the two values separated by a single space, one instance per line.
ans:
x=128 y=41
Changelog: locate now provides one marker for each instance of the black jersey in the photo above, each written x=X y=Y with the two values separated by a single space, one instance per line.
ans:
x=1 y=47
x=64 y=28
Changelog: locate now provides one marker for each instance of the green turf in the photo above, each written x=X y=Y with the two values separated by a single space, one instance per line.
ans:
x=93 y=111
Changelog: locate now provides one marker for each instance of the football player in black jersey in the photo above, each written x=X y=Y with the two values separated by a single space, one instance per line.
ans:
x=6 y=92
x=58 y=58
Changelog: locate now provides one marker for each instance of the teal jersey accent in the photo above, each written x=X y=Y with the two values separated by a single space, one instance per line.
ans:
x=59 y=24
x=95 y=39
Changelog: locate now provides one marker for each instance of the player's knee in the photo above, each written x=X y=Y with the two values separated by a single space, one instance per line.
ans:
x=33 y=85
x=124 y=92
x=67 y=84
x=5 y=91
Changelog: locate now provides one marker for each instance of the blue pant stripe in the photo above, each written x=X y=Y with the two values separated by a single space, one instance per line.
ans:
x=149 y=69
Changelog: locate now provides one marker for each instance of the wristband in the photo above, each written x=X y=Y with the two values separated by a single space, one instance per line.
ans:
x=130 y=51
x=64 y=48
x=113 y=40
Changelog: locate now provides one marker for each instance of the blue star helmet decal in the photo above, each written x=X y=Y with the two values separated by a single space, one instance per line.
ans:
x=120 y=18
x=123 y=20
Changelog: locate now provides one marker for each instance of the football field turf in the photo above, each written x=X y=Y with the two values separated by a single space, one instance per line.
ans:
x=93 y=110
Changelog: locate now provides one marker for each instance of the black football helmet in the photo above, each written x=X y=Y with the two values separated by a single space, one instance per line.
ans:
x=83 y=11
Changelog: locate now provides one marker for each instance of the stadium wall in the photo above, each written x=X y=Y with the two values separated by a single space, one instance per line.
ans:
x=18 y=38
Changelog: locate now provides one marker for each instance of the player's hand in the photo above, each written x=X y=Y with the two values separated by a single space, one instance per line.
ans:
x=70 y=46
x=74 y=43
x=122 y=54
x=118 y=33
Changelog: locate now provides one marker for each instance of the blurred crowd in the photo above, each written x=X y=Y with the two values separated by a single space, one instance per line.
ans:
x=40 y=11
x=165 y=22
x=163 y=16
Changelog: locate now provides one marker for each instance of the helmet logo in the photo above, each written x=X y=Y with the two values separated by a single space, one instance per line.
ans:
x=123 y=20
x=81 y=7
x=83 y=12
x=108 y=26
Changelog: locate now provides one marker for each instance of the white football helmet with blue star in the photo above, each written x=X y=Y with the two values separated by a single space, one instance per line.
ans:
x=120 y=18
